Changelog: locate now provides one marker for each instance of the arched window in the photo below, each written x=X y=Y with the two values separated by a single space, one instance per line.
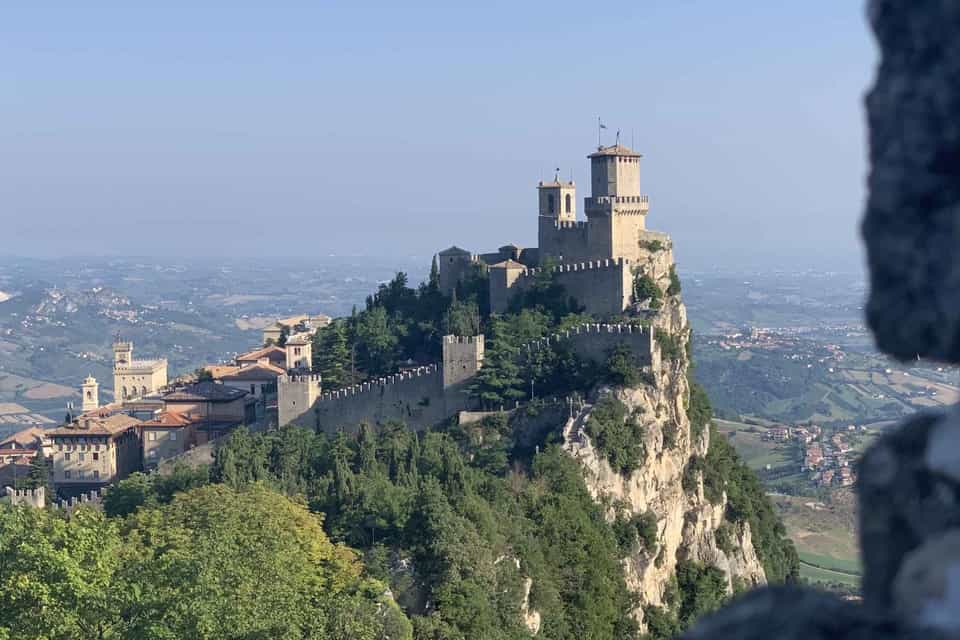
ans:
x=143 y=391
x=567 y=204
x=125 y=393
x=551 y=206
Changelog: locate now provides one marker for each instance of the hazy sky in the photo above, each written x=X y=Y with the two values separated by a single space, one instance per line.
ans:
x=302 y=128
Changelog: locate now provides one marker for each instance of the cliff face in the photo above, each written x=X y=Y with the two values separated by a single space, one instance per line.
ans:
x=686 y=521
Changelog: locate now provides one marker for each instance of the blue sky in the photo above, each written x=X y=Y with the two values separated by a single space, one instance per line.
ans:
x=309 y=128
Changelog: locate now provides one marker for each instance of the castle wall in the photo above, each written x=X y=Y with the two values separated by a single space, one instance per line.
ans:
x=416 y=398
x=569 y=240
x=295 y=396
x=602 y=286
x=595 y=341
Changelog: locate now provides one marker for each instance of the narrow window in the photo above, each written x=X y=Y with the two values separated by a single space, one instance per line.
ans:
x=96 y=474
x=66 y=457
x=96 y=456
x=551 y=207
x=66 y=474
x=568 y=203
x=173 y=435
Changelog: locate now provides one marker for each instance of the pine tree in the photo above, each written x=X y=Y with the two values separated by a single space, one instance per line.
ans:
x=332 y=355
x=434 y=274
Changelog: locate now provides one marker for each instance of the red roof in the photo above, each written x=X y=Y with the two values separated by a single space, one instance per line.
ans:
x=168 y=419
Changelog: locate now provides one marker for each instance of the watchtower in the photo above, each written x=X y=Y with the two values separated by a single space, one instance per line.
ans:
x=462 y=358
x=616 y=210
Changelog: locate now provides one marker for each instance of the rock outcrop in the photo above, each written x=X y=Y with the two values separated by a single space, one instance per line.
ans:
x=687 y=522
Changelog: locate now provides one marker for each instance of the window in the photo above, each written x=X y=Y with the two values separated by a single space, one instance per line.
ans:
x=81 y=457
x=551 y=205
x=253 y=389
x=96 y=456
x=80 y=474
x=125 y=396
x=59 y=447
x=296 y=351
x=66 y=457
x=173 y=435
x=66 y=474
x=568 y=202
x=143 y=391
x=96 y=474
x=153 y=435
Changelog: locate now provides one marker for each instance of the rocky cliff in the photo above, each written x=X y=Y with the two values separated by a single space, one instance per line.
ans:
x=687 y=522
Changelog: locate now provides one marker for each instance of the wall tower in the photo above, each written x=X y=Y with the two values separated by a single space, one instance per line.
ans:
x=462 y=358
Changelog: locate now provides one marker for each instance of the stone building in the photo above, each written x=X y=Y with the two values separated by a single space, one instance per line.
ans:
x=135 y=378
x=214 y=408
x=166 y=435
x=92 y=452
x=302 y=323
x=595 y=259
x=90 y=392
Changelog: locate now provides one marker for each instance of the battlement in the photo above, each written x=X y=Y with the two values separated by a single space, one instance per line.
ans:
x=31 y=497
x=462 y=339
x=92 y=498
x=579 y=225
x=587 y=265
x=594 y=341
x=377 y=384
x=301 y=379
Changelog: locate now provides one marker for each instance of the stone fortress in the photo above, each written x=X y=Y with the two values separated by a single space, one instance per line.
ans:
x=596 y=261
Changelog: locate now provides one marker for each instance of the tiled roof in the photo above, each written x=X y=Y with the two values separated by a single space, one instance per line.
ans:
x=259 y=371
x=220 y=370
x=614 y=150
x=508 y=264
x=455 y=251
x=27 y=438
x=265 y=352
x=204 y=391
x=111 y=425
x=168 y=419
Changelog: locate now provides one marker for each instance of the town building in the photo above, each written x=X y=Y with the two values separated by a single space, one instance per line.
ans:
x=295 y=324
x=260 y=379
x=90 y=393
x=272 y=354
x=135 y=378
x=93 y=452
x=166 y=435
x=214 y=408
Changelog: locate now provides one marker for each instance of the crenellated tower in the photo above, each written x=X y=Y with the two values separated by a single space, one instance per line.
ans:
x=616 y=210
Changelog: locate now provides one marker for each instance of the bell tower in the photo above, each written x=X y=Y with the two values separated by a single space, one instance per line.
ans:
x=558 y=200
x=90 y=391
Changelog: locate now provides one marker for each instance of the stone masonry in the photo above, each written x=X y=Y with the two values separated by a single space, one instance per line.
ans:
x=909 y=484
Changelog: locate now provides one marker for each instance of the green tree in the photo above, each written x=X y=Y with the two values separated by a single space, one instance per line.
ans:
x=331 y=355
x=219 y=563
x=378 y=340
x=498 y=382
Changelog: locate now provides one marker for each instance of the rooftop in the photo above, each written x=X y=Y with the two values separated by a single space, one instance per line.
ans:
x=258 y=371
x=204 y=392
x=455 y=251
x=265 y=352
x=218 y=371
x=108 y=426
x=508 y=264
x=168 y=419
x=26 y=439
x=615 y=150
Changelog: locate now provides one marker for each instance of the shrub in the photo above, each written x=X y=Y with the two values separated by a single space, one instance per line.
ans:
x=670 y=347
x=617 y=436
x=651 y=245
x=674 y=287
x=644 y=288
x=621 y=369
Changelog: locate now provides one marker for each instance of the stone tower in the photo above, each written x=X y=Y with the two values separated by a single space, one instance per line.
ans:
x=90 y=391
x=296 y=396
x=462 y=358
x=122 y=353
x=558 y=200
x=616 y=210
